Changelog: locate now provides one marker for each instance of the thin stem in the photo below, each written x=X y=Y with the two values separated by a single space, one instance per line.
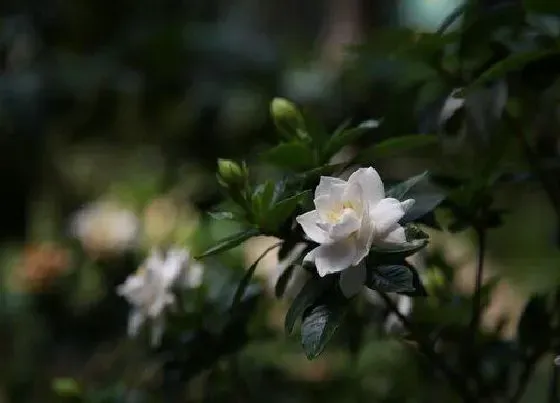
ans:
x=469 y=352
x=426 y=347
x=477 y=297
x=555 y=375
x=553 y=385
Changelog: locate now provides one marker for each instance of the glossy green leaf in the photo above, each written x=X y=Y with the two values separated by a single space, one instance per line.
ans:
x=262 y=198
x=244 y=283
x=514 y=62
x=309 y=294
x=230 y=242
x=427 y=196
x=391 y=278
x=344 y=136
x=283 y=280
x=401 y=250
x=395 y=146
x=295 y=156
x=319 y=325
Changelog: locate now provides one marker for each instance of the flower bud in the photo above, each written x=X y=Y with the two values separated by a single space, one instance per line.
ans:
x=231 y=173
x=287 y=118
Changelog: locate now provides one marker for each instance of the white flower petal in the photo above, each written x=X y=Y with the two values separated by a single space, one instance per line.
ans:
x=333 y=258
x=135 y=320
x=407 y=204
x=308 y=222
x=371 y=184
x=331 y=187
x=352 y=280
x=394 y=236
x=193 y=276
x=348 y=223
x=158 y=327
x=325 y=205
x=353 y=196
x=365 y=235
x=310 y=256
x=405 y=305
x=386 y=214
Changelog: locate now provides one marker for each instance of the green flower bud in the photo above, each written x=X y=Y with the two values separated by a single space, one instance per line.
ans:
x=287 y=118
x=231 y=173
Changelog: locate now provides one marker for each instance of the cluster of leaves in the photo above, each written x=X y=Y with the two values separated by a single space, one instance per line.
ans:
x=271 y=208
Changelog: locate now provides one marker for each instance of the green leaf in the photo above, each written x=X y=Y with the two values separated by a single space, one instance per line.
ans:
x=391 y=278
x=262 y=198
x=514 y=62
x=419 y=289
x=319 y=325
x=534 y=325
x=413 y=232
x=244 y=283
x=402 y=190
x=400 y=250
x=344 y=136
x=222 y=215
x=309 y=294
x=295 y=156
x=280 y=212
x=542 y=6
x=283 y=281
x=315 y=173
x=230 y=242
x=397 y=145
x=451 y=19
x=427 y=196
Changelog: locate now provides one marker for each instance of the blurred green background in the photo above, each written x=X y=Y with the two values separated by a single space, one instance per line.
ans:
x=112 y=116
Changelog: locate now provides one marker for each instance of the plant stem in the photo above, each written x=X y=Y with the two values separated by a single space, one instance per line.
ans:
x=470 y=350
x=553 y=385
x=477 y=297
x=555 y=375
x=426 y=347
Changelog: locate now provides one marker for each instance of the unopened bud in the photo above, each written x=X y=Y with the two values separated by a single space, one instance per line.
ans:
x=287 y=118
x=231 y=173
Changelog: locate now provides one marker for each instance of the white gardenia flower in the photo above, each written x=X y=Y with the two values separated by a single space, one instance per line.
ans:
x=150 y=289
x=349 y=218
x=106 y=227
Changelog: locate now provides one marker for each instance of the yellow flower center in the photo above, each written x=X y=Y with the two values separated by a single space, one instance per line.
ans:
x=334 y=215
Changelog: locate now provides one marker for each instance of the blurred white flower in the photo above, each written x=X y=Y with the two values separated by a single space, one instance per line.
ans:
x=150 y=289
x=105 y=227
x=349 y=218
